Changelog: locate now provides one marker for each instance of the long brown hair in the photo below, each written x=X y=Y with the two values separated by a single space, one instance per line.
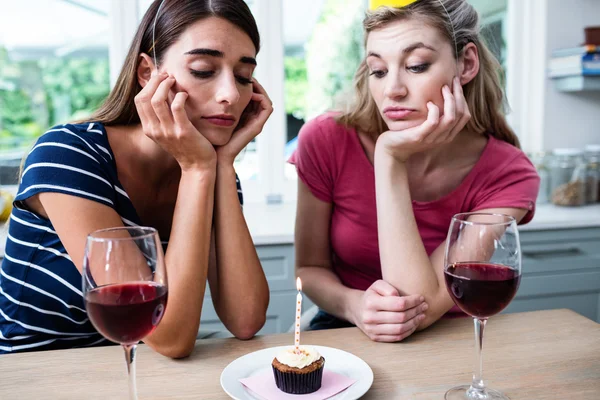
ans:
x=174 y=17
x=458 y=21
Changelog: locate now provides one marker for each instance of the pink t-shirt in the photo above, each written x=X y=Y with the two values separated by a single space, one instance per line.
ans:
x=331 y=161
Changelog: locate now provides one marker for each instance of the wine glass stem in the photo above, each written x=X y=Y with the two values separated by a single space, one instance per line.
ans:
x=130 y=359
x=477 y=388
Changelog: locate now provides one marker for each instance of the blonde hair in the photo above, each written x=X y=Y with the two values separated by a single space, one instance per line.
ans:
x=458 y=21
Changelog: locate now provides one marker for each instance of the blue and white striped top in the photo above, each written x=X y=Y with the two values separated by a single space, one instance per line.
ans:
x=41 y=303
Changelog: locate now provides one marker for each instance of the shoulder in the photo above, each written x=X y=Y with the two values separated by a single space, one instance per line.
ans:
x=79 y=143
x=324 y=127
x=506 y=178
x=501 y=159
x=323 y=133
x=74 y=133
x=71 y=159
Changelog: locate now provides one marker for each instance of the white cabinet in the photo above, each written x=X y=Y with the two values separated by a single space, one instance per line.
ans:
x=561 y=269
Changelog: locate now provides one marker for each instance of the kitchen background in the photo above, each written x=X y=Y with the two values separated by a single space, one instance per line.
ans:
x=58 y=59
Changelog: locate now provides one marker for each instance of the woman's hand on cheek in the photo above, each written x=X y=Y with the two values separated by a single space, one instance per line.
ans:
x=251 y=124
x=166 y=123
x=436 y=130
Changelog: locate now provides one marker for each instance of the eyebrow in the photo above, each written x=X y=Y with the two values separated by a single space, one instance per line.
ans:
x=406 y=50
x=219 y=54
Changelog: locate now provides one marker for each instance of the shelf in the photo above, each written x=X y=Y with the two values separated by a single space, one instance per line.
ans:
x=577 y=83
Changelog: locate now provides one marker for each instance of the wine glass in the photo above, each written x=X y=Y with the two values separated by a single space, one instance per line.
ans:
x=482 y=272
x=125 y=287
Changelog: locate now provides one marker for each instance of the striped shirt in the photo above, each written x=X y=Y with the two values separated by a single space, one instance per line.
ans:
x=41 y=302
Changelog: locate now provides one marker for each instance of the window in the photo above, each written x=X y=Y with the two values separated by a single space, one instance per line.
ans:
x=59 y=64
x=311 y=50
x=493 y=27
x=53 y=68
x=323 y=46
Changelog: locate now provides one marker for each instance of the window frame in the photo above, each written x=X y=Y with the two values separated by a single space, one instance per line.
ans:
x=123 y=22
x=525 y=70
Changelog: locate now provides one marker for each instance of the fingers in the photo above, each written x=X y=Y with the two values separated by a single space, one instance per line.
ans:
x=395 y=329
x=462 y=108
x=260 y=95
x=256 y=115
x=432 y=121
x=148 y=118
x=153 y=84
x=160 y=105
x=178 y=109
x=449 y=119
x=455 y=117
x=264 y=104
x=393 y=303
x=386 y=316
x=383 y=288
x=260 y=89
x=394 y=338
x=393 y=332
x=461 y=102
x=390 y=317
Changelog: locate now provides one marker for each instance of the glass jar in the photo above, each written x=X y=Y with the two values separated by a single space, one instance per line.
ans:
x=567 y=177
x=592 y=159
x=540 y=161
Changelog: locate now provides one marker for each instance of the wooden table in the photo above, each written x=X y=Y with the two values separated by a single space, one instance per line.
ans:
x=538 y=355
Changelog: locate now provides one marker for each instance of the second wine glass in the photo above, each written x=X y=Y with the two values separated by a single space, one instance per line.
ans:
x=482 y=273
x=125 y=287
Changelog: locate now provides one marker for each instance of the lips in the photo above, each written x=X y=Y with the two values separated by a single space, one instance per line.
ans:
x=220 y=120
x=396 y=113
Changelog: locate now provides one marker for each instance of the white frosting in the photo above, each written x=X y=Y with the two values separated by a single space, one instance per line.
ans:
x=306 y=356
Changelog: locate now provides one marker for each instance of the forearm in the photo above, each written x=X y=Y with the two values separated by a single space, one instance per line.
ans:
x=187 y=265
x=241 y=293
x=326 y=290
x=404 y=260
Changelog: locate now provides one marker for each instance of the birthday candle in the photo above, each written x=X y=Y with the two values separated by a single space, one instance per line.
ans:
x=298 y=313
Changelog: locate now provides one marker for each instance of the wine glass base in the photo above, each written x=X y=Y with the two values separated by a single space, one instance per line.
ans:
x=463 y=393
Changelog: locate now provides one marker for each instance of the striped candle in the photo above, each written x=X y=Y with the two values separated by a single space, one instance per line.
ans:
x=298 y=314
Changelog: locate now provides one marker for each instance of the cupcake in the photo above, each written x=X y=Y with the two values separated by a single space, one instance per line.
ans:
x=298 y=372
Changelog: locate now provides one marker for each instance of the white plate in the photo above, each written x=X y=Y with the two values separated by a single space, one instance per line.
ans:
x=336 y=360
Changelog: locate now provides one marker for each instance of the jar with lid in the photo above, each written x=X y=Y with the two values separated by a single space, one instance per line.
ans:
x=592 y=159
x=540 y=161
x=567 y=177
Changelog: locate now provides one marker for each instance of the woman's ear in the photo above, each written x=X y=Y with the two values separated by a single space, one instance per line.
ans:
x=145 y=69
x=469 y=63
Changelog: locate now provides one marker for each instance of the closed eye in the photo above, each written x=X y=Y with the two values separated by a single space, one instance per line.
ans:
x=207 y=74
x=243 y=80
x=202 y=74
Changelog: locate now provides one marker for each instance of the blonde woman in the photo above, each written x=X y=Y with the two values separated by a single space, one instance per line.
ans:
x=426 y=138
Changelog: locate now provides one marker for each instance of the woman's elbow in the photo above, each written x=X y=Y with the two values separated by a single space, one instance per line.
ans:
x=175 y=350
x=431 y=317
x=248 y=329
x=426 y=323
x=178 y=346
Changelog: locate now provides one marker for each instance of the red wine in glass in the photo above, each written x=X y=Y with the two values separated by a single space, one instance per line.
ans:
x=481 y=289
x=126 y=313
x=125 y=287
x=482 y=271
